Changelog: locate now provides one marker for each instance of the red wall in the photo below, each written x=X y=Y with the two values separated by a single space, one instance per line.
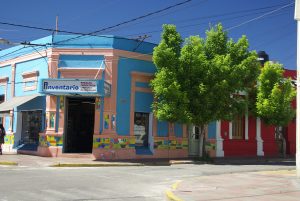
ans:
x=249 y=147
x=239 y=147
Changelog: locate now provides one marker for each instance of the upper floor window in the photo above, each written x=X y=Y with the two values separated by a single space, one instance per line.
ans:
x=30 y=80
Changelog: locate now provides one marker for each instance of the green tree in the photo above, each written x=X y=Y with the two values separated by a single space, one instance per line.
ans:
x=199 y=81
x=274 y=99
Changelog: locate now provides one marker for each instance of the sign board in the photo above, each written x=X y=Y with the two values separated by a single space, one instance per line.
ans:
x=69 y=86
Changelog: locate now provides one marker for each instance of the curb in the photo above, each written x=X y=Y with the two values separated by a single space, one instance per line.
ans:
x=8 y=163
x=93 y=165
x=169 y=193
x=278 y=172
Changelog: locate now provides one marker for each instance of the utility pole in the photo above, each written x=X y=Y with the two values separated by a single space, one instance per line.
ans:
x=56 y=24
x=297 y=17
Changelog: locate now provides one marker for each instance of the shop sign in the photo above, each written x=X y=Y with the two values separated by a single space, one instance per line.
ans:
x=69 y=86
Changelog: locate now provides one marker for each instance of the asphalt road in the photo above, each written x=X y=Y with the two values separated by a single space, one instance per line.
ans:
x=105 y=183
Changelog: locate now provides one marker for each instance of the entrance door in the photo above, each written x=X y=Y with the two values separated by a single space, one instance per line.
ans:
x=194 y=135
x=141 y=129
x=79 y=125
x=31 y=127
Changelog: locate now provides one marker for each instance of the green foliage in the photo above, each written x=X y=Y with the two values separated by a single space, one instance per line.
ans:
x=198 y=81
x=274 y=97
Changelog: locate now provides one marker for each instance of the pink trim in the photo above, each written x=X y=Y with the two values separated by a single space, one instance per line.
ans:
x=80 y=73
x=13 y=77
x=3 y=80
x=30 y=74
x=30 y=77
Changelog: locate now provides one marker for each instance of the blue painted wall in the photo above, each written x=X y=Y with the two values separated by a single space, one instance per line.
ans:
x=142 y=84
x=162 y=128
x=125 y=67
x=6 y=72
x=80 y=61
x=212 y=129
x=178 y=130
x=29 y=66
x=143 y=102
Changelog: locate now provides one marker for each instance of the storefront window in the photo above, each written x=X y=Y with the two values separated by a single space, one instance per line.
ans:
x=31 y=126
x=141 y=125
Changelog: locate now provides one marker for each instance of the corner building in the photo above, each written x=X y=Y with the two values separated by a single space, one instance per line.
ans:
x=87 y=95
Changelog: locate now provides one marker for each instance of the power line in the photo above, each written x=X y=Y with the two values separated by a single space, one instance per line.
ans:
x=214 y=16
x=129 y=21
x=60 y=31
x=196 y=24
x=259 y=17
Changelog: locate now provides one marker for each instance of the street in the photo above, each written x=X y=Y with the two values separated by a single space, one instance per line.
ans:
x=106 y=183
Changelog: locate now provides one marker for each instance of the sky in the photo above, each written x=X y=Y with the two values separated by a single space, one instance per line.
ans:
x=268 y=24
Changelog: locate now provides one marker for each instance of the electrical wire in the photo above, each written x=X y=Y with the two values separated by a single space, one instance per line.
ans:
x=212 y=16
x=259 y=17
x=128 y=21
x=60 y=31
x=193 y=25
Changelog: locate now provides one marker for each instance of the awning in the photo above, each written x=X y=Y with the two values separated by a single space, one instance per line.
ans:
x=15 y=102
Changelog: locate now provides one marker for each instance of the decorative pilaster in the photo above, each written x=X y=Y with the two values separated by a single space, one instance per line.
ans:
x=110 y=103
x=219 y=141
x=50 y=114
x=53 y=65
x=13 y=78
x=11 y=119
x=61 y=113
x=259 y=140
x=230 y=130
x=246 y=126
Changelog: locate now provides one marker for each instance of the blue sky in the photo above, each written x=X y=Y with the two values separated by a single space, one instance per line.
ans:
x=274 y=33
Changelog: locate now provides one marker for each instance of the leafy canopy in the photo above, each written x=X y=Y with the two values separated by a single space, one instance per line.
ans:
x=198 y=80
x=275 y=94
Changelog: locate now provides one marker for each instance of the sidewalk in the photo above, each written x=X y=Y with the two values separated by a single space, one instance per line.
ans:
x=79 y=161
x=258 y=186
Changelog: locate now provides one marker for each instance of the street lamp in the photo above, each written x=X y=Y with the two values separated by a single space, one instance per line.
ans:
x=297 y=17
x=4 y=41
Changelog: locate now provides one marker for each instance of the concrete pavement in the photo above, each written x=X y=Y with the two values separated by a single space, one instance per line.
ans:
x=259 y=186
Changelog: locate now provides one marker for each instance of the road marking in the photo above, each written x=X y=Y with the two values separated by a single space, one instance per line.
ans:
x=176 y=184
x=170 y=195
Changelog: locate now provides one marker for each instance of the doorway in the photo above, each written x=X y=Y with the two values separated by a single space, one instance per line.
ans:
x=194 y=136
x=79 y=125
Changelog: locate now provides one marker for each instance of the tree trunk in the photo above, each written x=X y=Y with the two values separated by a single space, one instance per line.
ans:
x=281 y=141
x=202 y=142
